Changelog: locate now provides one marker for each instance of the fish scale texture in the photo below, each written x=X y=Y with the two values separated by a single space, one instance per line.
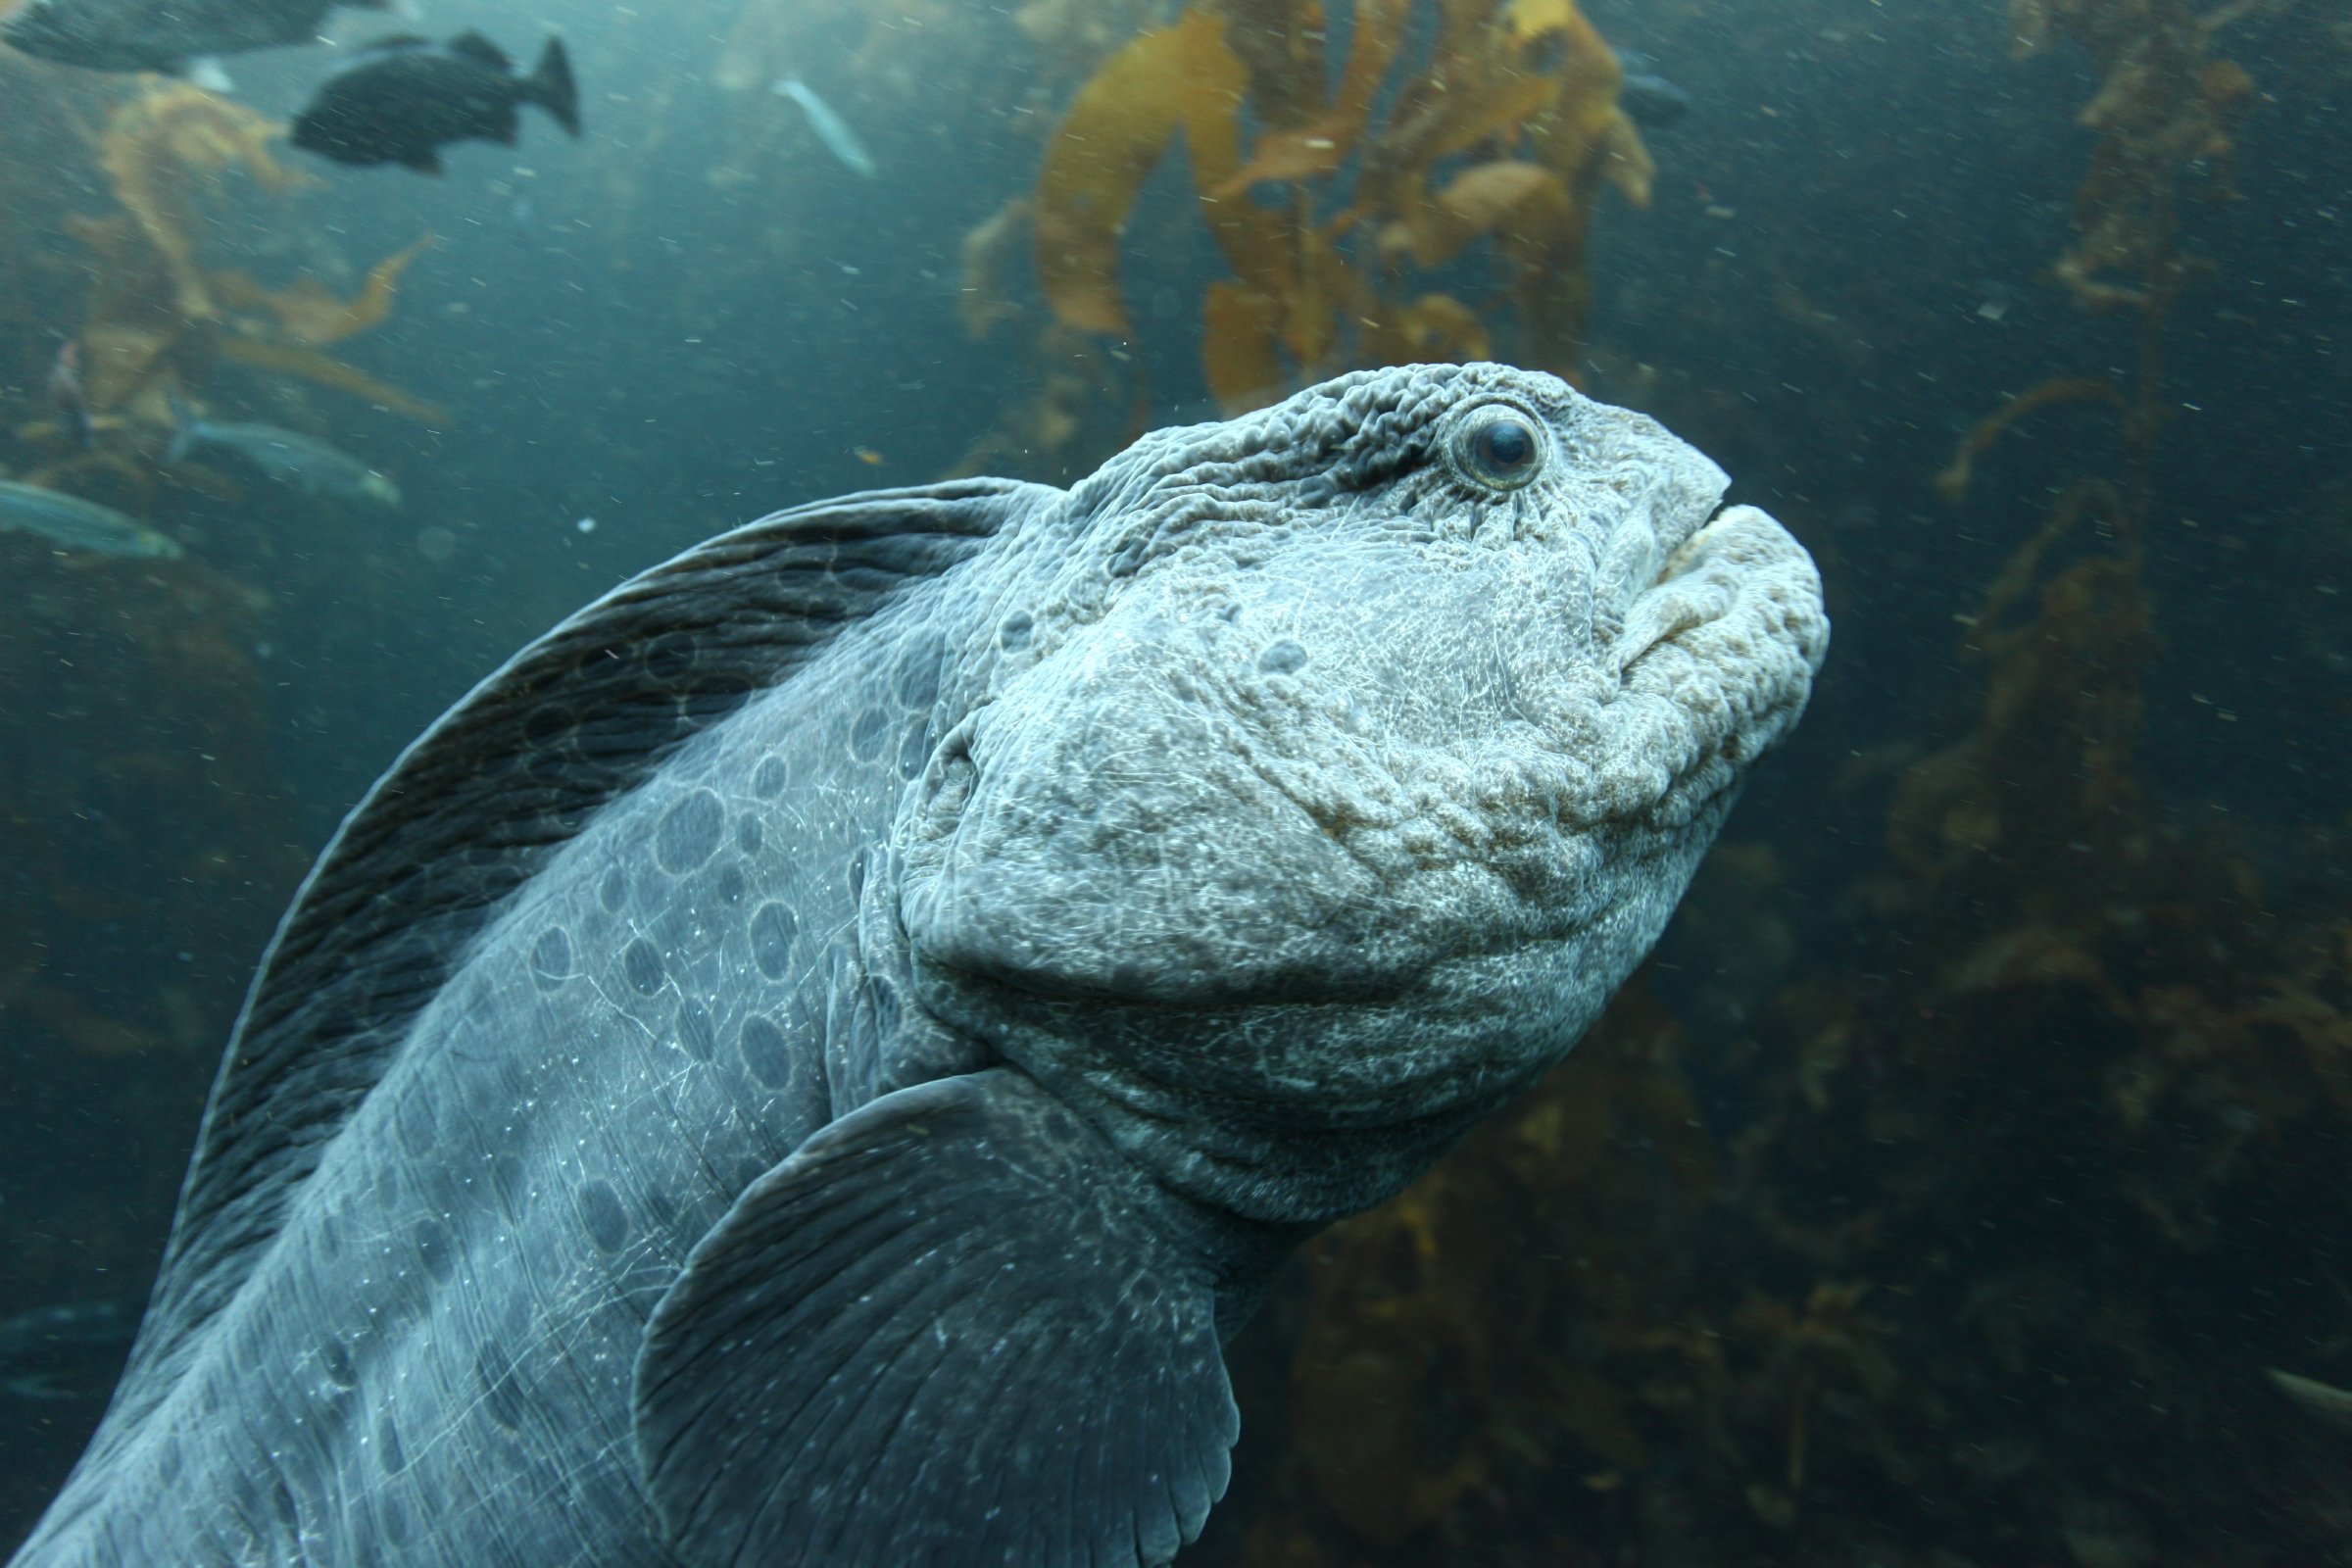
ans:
x=810 y=1060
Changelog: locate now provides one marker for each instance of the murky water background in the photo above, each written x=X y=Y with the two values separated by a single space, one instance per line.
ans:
x=1957 y=1180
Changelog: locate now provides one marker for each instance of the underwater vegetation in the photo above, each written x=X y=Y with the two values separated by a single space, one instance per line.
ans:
x=143 y=812
x=1978 y=1200
x=1337 y=210
x=2024 y=1243
x=160 y=322
x=163 y=151
x=146 y=854
x=2165 y=111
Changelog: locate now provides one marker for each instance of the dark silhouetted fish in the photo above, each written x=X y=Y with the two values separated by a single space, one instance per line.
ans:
x=164 y=34
x=805 y=1066
x=409 y=97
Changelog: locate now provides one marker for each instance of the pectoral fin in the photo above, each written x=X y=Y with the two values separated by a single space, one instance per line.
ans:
x=954 y=1328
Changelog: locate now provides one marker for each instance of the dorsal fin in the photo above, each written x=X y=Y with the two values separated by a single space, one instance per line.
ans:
x=476 y=805
x=473 y=46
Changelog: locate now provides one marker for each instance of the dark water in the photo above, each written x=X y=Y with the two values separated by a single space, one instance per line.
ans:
x=1979 y=1143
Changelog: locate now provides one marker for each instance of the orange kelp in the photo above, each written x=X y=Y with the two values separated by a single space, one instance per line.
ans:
x=2091 y=1055
x=155 y=142
x=1507 y=130
x=986 y=252
x=158 y=318
x=308 y=311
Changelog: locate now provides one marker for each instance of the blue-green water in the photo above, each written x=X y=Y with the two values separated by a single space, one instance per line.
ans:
x=2013 y=1019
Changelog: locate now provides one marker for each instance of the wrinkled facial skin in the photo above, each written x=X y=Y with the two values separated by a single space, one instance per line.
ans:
x=1333 y=771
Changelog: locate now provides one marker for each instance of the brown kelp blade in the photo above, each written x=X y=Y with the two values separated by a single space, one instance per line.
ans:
x=292 y=359
x=1331 y=206
x=1114 y=136
x=308 y=311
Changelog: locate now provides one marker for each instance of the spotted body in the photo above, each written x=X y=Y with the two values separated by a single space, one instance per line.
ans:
x=810 y=1062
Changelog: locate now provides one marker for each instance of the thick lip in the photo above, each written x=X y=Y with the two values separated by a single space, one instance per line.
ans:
x=1679 y=558
x=1652 y=619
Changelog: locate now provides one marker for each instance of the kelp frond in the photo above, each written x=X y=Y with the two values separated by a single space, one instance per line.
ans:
x=292 y=359
x=1317 y=220
x=308 y=311
x=152 y=147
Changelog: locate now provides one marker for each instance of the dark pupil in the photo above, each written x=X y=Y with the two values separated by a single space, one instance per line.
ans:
x=1504 y=446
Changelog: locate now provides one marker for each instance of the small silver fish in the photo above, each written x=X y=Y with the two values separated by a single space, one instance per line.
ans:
x=79 y=525
x=302 y=461
x=831 y=130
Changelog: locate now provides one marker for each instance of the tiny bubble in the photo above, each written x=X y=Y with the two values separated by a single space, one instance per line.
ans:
x=587 y=525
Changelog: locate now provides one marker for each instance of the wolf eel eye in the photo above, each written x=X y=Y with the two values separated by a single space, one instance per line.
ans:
x=1498 y=448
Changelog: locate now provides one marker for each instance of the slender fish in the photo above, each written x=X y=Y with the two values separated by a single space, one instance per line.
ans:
x=79 y=525
x=290 y=458
x=831 y=130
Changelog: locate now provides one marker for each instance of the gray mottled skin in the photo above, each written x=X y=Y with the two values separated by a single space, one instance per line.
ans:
x=807 y=1064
